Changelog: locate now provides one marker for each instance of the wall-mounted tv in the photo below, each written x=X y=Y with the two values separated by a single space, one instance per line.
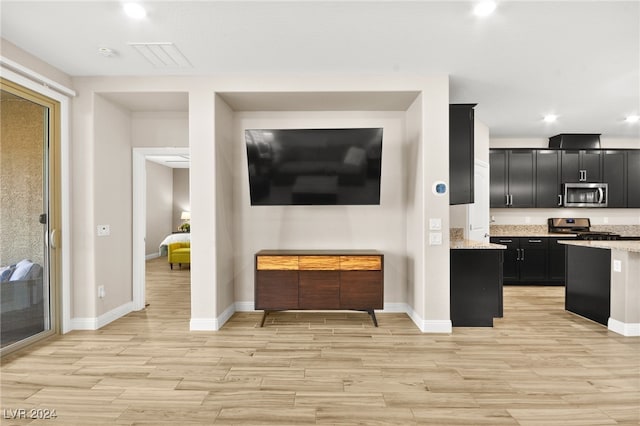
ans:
x=314 y=166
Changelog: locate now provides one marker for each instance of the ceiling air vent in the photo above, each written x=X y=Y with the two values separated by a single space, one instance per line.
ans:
x=162 y=54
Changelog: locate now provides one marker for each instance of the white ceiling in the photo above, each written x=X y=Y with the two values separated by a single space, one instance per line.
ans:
x=579 y=60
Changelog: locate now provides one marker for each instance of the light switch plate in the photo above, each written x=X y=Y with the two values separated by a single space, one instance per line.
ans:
x=435 y=224
x=435 y=238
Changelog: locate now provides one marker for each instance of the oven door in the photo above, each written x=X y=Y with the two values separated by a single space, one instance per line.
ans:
x=585 y=194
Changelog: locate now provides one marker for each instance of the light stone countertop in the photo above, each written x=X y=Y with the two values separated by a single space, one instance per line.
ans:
x=475 y=245
x=631 y=246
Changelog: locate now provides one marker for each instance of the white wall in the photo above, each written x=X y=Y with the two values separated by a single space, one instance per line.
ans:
x=181 y=200
x=225 y=193
x=159 y=205
x=112 y=203
x=380 y=227
x=507 y=216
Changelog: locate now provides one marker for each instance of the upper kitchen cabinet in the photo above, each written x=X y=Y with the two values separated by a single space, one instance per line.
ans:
x=633 y=178
x=461 y=153
x=581 y=165
x=512 y=177
x=548 y=186
x=614 y=173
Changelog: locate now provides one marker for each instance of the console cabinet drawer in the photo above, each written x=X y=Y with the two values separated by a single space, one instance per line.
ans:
x=318 y=263
x=360 y=263
x=277 y=263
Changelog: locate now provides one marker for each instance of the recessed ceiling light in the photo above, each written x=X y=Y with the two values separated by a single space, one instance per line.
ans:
x=632 y=118
x=550 y=118
x=134 y=10
x=484 y=8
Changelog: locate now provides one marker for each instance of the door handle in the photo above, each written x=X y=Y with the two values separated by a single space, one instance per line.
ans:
x=506 y=203
x=53 y=239
x=559 y=199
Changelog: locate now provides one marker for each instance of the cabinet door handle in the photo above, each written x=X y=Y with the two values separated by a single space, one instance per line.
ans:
x=510 y=199
x=506 y=241
x=517 y=254
x=535 y=241
x=559 y=199
x=522 y=255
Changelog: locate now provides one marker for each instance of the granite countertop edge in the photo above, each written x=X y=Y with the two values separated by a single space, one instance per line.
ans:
x=475 y=245
x=532 y=234
x=630 y=246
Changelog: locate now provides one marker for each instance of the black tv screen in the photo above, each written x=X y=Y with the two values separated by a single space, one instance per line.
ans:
x=314 y=166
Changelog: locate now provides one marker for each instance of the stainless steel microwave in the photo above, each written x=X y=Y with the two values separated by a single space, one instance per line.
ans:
x=585 y=194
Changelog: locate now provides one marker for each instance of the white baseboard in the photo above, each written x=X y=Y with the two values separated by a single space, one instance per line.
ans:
x=102 y=320
x=626 y=329
x=245 y=307
x=151 y=256
x=430 y=326
x=203 y=324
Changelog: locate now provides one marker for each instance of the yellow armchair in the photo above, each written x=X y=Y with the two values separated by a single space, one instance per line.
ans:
x=179 y=253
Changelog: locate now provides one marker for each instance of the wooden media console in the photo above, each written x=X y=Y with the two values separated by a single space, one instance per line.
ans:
x=320 y=280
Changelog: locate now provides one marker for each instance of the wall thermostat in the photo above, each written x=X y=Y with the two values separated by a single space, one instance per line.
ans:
x=439 y=188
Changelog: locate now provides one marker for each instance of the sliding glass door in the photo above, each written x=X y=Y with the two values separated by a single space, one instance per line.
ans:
x=28 y=215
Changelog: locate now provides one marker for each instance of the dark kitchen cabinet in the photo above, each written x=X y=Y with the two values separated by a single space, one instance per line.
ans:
x=512 y=178
x=525 y=259
x=461 y=153
x=633 y=178
x=581 y=166
x=556 y=261
x=547 y=184
x=614 y=173
x=476 y=287
x=588 y=286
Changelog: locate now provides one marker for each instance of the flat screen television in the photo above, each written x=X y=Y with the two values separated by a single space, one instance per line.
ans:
x=314 y=166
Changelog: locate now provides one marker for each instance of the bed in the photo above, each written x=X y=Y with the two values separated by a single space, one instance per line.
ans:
x=178 y=237
x=22 y=300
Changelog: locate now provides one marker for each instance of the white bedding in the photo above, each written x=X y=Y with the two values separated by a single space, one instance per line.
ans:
x=178 y=237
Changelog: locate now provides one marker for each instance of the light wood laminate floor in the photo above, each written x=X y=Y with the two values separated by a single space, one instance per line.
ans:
x=539 y=365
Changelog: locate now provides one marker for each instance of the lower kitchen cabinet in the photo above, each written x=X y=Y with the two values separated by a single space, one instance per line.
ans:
x=476 y=287
x=588 y=287
x=532 y=260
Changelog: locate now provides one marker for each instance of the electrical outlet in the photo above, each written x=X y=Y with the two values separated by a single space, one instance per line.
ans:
x=617 y=265
x=104 y=230
x=101 y=292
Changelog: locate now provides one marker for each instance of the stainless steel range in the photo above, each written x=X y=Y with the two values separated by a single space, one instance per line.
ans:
x=581 y=227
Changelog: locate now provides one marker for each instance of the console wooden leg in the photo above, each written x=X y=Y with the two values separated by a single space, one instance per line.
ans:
x=372 y=313
x=264 y=317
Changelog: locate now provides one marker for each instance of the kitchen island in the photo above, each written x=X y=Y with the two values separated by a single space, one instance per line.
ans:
x=603 y=283
x=476 y=283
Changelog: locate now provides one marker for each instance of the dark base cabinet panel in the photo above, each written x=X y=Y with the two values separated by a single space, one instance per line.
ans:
x=361 y=290
x=276 y=290
x=588 y=286
x=319 y=290
x=476 y=287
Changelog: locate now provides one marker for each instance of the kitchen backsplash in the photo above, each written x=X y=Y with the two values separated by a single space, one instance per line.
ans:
x=515 y=230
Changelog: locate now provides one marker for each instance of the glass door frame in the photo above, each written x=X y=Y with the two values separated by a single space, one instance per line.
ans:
x=52 y=195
